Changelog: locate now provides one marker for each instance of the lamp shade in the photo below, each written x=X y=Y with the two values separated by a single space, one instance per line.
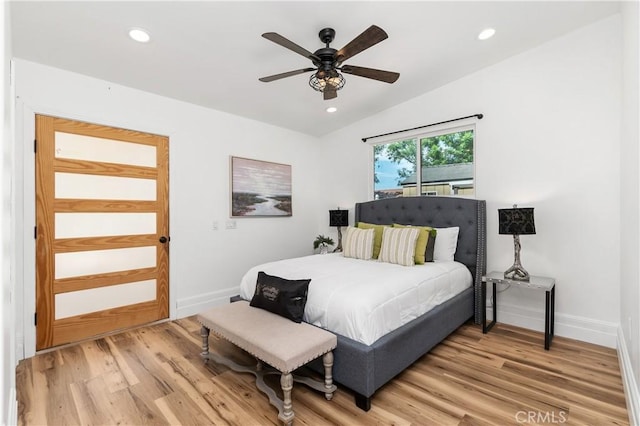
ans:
x=516 y=221
x=338 y=217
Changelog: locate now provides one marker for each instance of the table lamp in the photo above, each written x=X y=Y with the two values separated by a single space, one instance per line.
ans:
x=339 y=218
x=516 y=221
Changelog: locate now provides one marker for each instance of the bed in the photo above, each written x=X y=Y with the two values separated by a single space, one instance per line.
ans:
x=364 y=362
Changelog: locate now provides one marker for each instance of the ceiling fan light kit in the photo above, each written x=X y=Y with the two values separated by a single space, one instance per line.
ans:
x=327 y=61
x=321 y=81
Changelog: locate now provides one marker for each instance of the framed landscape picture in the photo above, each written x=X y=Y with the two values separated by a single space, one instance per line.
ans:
x=260 y=188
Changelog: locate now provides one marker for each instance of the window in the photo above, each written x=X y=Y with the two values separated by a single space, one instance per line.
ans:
x=442 y=162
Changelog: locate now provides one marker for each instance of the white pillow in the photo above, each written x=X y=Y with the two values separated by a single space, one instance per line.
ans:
x=399 y=245
x=446 y=243
x=358 y=243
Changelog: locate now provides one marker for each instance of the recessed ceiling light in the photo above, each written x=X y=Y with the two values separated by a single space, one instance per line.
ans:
x=139 y=35
x=486 y=33
x=332 y=109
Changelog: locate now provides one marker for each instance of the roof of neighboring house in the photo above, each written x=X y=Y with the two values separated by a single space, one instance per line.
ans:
x=444 y=173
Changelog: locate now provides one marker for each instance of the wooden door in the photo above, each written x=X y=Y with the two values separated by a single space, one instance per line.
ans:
x=102 y=230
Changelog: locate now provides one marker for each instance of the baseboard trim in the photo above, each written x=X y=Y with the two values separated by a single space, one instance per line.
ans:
x=631 y=390
x=19 y=346
x=584 y=329
x=193 y=305
x=12 y=414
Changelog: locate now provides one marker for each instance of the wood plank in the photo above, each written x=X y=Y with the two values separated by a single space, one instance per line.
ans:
x=32 y=392
x=85 y=282
x=179 y=409
x=45 y=226
x=162 y=224
x=85 y=167
x=102 y=364
x=104 y=132
x=78 y=205
x=92 y=396
x=154 y=374
x=69 y=245
x=95 y=323
x=127 y=372
x=199 y=389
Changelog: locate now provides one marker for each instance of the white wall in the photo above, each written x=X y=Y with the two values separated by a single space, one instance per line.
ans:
x=205 y=264
x=550 y=139
x=629 y=335
x=8 y=404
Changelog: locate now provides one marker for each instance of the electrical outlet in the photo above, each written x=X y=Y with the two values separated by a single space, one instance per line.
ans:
x=215 y=225
x=231 y=224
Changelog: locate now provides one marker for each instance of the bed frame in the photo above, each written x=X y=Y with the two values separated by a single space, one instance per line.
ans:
x=365 y=368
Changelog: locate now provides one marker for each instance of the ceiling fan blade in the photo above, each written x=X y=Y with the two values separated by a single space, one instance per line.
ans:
x=285 y=74
x=330 y=94
x=368 y=38
x=386 y=76
x=284 y=42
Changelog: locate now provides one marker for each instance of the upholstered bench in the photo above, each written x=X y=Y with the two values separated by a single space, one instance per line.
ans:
x=277 y=341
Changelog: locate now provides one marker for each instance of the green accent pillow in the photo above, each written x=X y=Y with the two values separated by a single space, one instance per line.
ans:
x=425 y=244
x=377 y=235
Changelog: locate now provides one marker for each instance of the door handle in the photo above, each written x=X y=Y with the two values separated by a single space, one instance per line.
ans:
x=163 y=239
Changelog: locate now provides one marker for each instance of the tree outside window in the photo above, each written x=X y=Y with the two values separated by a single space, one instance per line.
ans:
x=446 y=166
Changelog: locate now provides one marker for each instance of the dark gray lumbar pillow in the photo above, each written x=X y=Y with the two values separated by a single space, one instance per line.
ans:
x=281 y=296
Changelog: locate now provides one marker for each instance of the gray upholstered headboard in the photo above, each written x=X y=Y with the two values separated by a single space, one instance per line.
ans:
x=439 y=212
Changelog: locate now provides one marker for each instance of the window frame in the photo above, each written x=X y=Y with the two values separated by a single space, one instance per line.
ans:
x=417 y=136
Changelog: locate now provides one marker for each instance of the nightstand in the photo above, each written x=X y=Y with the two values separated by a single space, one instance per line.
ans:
x=546 y=284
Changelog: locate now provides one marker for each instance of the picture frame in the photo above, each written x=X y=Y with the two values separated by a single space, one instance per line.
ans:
x=260 y=188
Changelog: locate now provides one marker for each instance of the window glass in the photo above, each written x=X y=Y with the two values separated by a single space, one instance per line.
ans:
x=393 y=163
x=442 y=162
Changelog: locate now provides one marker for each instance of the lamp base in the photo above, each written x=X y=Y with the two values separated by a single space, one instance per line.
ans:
x=339 y=246
x=516 y=272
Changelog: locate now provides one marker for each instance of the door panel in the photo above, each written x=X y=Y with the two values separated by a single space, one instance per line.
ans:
x=94 y=262
x=69 y=225
x=82 y=147
x=98 y=299
x=92 y=187
x=101 y=208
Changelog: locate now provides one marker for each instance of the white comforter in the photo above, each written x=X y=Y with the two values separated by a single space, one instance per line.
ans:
x=365 y=299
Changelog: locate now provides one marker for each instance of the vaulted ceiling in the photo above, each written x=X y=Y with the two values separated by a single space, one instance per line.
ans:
x=211 y=53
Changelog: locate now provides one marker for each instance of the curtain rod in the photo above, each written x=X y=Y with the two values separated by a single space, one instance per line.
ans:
x=478 y=116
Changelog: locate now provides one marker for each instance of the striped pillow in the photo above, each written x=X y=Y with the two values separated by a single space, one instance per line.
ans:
x=425 y=244
x=399 y=246
x=377 y=235
x=358 y=243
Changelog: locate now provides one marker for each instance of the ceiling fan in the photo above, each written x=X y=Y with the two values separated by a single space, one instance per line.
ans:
x=328 y=61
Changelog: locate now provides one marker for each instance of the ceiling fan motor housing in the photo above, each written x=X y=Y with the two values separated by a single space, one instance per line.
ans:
x=326 y=54
x=327 y=58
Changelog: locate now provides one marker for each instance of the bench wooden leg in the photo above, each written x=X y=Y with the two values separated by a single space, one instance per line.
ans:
x=204 y=333
x=329 y=388
x=286 y=381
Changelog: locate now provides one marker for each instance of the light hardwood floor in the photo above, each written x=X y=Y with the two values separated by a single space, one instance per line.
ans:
x=154 y=375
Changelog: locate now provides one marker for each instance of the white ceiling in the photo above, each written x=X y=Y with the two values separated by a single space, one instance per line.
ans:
x=211 y=53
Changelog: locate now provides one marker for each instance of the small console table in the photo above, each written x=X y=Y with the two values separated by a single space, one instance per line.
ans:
x=548 y=285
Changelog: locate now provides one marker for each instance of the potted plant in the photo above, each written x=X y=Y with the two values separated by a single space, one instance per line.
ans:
x=322 y=242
